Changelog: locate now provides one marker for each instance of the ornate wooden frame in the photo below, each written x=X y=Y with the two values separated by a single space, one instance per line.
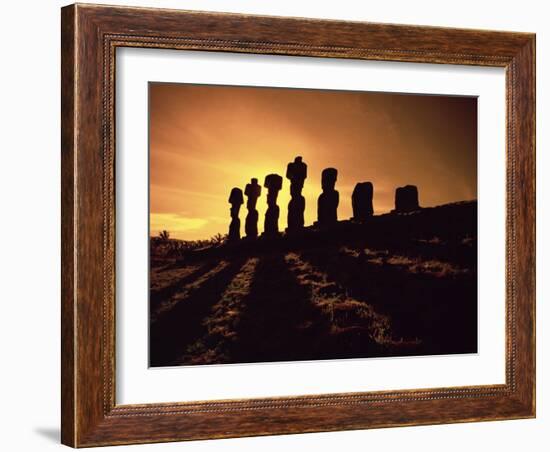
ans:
x=90 y=35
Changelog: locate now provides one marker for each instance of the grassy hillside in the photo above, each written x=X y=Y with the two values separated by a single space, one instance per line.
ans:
x=397 y=285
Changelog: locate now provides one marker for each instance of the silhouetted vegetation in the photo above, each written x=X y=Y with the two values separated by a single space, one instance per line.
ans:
x=163 y=246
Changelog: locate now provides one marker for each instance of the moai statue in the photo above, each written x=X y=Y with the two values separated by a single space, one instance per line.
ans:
x=296 y=172
x=406 y=199
x=236 y=200
x=273 y=183
x=327 y=204
x=252 y=191
x=361 y=201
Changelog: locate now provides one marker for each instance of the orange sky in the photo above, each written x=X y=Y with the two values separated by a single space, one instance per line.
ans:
x=204 y=140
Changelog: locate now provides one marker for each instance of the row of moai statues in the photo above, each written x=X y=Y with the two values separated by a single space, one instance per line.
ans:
x=406 y=200
x=297 y=173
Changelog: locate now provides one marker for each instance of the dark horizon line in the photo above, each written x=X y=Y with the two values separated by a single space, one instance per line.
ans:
x=339 y=221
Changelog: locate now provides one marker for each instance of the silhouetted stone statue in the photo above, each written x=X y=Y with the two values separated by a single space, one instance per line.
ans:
x=236 y=200
x=273 y=183
x=327 y=204
x=406 y=199
x=252 y=191
x=361 y=201
x=296 y=171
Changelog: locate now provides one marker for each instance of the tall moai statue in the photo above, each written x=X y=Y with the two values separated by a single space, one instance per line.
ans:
x=406 y=199
x=236 y=200
x=327 y=204
x=296 y=172
x=361 y=201
x=273 y=183
x=252 y=191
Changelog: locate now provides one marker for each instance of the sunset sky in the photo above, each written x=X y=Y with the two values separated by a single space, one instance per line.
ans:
x=204 y=140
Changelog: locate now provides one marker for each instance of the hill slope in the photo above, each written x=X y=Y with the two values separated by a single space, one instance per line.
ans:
x=396 y=285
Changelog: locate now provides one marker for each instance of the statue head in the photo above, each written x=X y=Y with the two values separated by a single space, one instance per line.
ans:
x=273 y=182
x=236 y=197
x=328 y=178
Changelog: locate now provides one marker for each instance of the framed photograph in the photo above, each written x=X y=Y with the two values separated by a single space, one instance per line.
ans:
x=281 y=225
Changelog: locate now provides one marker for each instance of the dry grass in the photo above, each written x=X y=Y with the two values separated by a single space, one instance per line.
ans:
x=344 y=312
x=415 y=265
x=186 y=291
x=163 y=277
x=222 y=323
x=349 y=293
